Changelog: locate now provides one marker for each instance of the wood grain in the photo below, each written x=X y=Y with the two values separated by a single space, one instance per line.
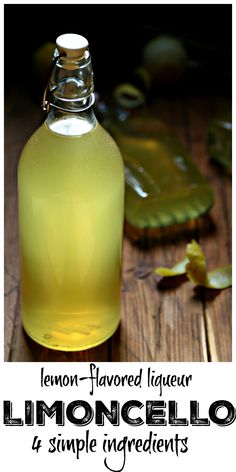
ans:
x=160 y=322
x=217 y=243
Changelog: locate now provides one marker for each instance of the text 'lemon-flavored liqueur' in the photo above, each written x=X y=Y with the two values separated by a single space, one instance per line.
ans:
x=71 y=198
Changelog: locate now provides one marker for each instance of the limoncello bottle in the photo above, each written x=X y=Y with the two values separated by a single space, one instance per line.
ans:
x=71 y=199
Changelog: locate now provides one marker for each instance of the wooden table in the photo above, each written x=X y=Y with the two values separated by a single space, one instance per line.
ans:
x=159 y=322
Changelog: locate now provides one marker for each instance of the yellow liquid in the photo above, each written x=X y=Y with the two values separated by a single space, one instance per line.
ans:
x=71 y=192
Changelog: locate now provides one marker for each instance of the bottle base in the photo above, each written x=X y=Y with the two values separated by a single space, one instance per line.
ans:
x=75 y=348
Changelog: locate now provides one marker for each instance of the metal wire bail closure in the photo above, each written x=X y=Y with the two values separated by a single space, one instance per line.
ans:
x=84 y=102
x=45 y=102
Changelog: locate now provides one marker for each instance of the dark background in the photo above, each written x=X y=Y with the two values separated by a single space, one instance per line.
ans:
x=201 y=329
x=116 y=35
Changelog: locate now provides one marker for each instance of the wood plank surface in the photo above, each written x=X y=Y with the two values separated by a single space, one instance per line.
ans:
x=217 y=242
x=160 y=322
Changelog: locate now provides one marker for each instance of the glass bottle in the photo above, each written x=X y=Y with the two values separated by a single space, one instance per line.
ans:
x=71 y=199
x=219 y=140
x=164 y=187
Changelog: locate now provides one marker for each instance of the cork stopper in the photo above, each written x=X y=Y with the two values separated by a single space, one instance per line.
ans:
x=71 y=45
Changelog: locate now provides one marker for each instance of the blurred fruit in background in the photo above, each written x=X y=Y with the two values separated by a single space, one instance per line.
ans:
x=128 y=96
x=165 y=58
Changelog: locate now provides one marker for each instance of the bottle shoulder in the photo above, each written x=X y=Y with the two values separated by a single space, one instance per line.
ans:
x=106 y=136
x=46 y=145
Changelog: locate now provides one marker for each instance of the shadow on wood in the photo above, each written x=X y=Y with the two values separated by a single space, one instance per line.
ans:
x=206 y=294
x=149 y=238
x=168 y=283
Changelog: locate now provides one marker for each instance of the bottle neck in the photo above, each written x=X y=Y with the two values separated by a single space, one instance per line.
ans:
x=69 y=96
